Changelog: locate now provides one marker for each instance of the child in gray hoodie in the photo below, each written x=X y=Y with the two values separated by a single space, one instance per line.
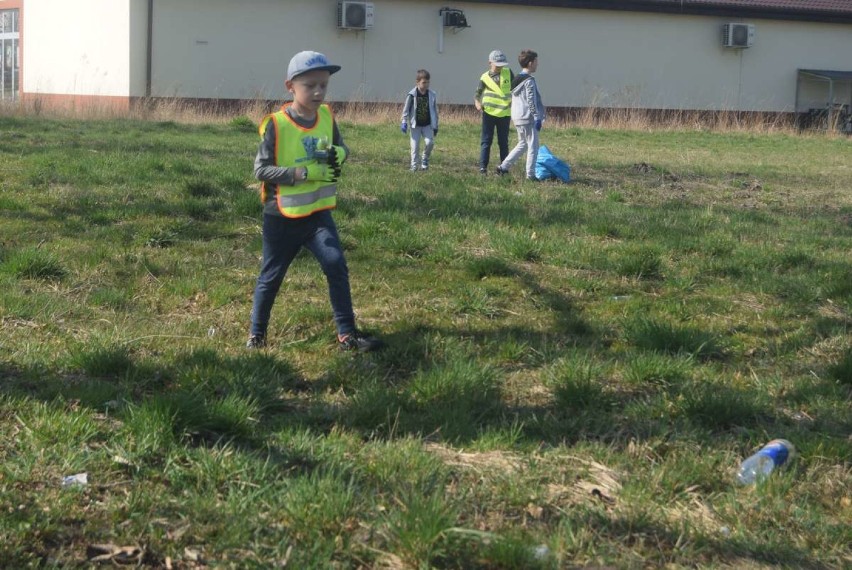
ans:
x=420 y=118
x=527 y=114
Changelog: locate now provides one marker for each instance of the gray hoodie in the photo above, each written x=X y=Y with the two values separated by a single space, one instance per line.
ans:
x=527 y=106
x=409 y=110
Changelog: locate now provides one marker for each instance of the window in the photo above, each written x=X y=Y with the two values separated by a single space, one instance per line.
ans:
x=10 y=54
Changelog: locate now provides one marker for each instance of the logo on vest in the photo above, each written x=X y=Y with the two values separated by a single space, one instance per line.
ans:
x=316 y=148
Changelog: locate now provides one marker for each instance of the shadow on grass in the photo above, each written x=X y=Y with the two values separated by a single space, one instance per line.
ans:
x=645 y=534
x=435 y=383
x=201 y=397
x=428 y=383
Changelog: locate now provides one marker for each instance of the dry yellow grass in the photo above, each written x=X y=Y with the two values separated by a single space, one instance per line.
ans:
x=196 y=111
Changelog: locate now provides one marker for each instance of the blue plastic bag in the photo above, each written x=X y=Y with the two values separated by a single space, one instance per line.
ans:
x=548 y=166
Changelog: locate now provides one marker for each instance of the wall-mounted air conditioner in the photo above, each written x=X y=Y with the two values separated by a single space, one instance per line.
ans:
x=352 y=15
x=738 y=35
x=453 y=18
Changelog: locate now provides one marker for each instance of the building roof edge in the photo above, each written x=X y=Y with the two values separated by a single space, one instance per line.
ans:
x=696 y=8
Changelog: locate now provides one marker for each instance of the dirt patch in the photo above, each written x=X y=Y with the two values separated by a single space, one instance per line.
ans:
x=501 y=461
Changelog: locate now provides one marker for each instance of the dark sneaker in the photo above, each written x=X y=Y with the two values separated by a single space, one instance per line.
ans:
x=256 y=341
x=483 y=171
x=500 y=172
x=358 y=342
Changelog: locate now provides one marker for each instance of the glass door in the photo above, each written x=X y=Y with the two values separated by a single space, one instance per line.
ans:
x=10 y=55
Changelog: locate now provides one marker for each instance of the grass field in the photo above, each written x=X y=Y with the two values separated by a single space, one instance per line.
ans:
x=573 y=372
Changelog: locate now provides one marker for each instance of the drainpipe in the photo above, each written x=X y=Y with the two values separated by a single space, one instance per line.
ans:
x=150 y=48
x=796 y=116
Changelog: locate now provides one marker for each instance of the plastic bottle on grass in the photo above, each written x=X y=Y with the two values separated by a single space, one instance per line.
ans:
x=768 y=458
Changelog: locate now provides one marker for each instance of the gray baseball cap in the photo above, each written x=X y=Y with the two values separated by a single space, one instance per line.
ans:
x=305 y=61
x=498 y=58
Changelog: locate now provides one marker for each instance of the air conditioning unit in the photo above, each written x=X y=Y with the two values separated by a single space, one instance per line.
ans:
x=738 y=35
x=354 y=15
x=454 y=18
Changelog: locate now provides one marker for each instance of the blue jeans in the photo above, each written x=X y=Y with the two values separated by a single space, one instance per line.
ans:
x=489 y=123
x=282 y=240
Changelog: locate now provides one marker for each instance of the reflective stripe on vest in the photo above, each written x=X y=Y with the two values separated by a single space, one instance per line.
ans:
x=497 y=99
x=294 y=147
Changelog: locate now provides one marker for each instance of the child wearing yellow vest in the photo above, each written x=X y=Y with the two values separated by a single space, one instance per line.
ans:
x=298 y=163
x=493 y=98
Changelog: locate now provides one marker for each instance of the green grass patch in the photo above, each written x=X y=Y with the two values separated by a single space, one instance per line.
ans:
x=572 y=372
x=33 y=263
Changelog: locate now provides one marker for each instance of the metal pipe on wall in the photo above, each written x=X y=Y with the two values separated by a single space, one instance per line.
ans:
x=149 y=49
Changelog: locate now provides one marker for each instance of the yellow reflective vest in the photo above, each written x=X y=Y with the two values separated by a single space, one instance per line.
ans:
x=294 y=147
x=497 y=99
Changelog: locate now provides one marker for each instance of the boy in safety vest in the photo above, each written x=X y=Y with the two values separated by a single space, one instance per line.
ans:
x=298 y=163
x=494 y=98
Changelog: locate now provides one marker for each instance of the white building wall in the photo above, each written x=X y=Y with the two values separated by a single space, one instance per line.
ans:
x=77 y=48
x=240 y=50
x=226 y=49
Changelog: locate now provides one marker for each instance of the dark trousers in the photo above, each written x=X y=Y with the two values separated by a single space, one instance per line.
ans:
x=489 y=123
x=282 y=240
